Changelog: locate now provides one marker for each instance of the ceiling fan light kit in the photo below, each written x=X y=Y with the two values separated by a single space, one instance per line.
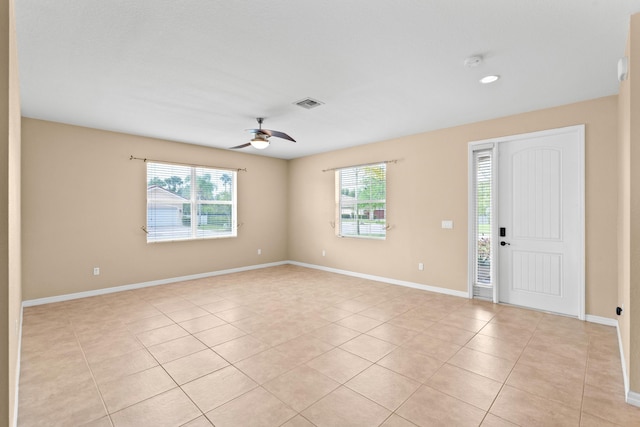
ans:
x=259 y=142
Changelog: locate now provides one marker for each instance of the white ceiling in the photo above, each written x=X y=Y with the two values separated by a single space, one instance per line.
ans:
x=201 y=71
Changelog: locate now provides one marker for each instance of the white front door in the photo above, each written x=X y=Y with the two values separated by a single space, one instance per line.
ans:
x=541 y=220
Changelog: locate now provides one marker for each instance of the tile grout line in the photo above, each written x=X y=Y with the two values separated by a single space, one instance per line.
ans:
x=95 y=383
x=159 y=365
x=178 y=386
x=584 y=380
x=504 y=383
x=422 y=383
x=283 y=296
x=512 y=368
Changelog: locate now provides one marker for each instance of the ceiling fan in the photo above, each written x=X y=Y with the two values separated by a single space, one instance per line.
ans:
x=261 y=137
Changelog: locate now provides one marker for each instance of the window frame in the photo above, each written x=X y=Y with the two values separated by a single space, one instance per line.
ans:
x=194 y=203
x=485 y=291
x=483 y=164
x=340 y=206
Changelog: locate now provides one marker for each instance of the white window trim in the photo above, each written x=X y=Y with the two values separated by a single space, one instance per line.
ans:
x=474 y=148
x=338 y=192
x=194 y=203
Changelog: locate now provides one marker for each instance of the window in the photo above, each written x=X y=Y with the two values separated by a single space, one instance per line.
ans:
x=482 y=226
x=185 y=202
x=362 y=206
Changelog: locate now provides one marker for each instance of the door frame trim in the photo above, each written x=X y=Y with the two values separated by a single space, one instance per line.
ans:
x=493 y=144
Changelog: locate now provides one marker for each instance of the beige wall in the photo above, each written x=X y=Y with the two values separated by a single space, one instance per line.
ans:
x=10 y=251
x=84 y=202
x=624 y=225
x=429 y=184
x=99 y=194
x=629 y=209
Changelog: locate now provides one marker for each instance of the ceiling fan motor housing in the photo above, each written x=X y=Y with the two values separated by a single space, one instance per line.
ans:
x=261 y=136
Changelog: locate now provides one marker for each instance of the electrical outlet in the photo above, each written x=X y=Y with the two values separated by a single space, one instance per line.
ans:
x=420 y=266
x=96 y=271
x=324 y=253
x=259 y=251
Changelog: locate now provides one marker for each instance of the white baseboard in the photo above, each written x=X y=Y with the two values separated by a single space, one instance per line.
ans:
x=625 y=377
x=384 y=280
x=19 y=357
x=104 y=291
x=633 y=398
x=607 y=321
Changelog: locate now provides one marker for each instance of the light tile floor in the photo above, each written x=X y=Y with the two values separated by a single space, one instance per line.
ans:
x=289 y=346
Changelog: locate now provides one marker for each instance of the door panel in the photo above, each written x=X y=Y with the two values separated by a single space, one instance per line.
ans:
x=537 y=212
x=537 y=272
x=540 y=205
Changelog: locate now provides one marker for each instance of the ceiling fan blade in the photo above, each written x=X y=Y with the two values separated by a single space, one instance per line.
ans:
x=264 y=134
x=277 y=134
x=240 y=146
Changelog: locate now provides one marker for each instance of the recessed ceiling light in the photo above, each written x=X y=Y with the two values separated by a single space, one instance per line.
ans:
x=489 y=79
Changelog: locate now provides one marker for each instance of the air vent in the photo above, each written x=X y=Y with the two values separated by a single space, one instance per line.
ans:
x=309 y=103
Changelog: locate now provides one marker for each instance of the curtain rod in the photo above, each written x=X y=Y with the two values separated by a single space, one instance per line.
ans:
x=187 y=164
x=363 y=164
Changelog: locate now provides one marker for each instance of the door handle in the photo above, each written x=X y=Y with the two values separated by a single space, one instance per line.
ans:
x=504 y=244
